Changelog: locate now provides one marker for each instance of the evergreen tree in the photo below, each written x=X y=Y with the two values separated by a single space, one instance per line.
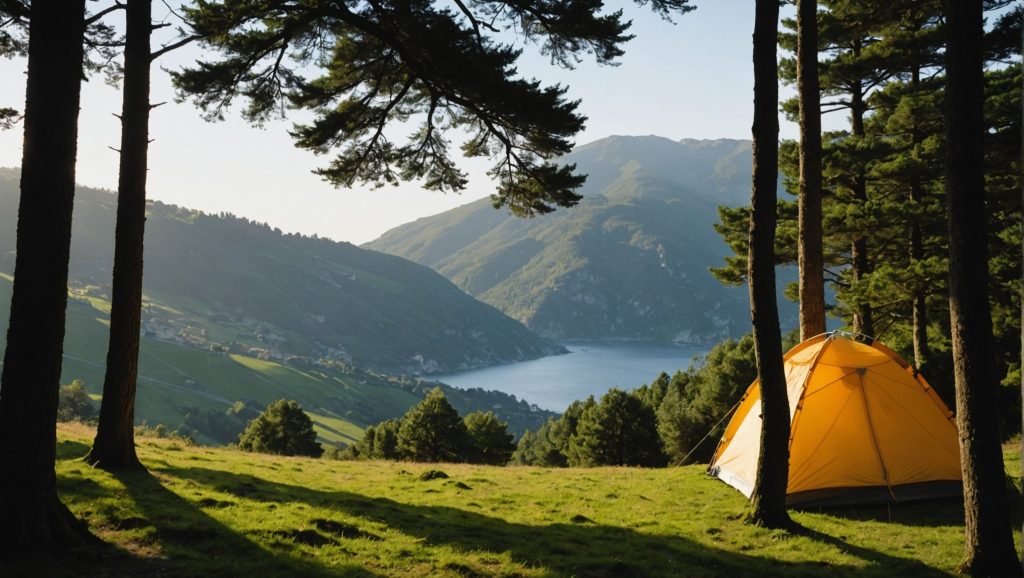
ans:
x=989 y=545
x=619 y=431
x=432 y=431
x=114 y=446
x=399 y=60
x=810 y=253
x=772 y=476
x=283 y=429
x=32 y=517
x=74 y=404
x=489 y=440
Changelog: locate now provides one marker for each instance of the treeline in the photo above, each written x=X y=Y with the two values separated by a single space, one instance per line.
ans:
x=884 y=237
x=657 y=424
x=662 y=423
x=433 y=431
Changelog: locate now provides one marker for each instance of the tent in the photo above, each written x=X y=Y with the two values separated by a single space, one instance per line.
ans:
x=865 y=427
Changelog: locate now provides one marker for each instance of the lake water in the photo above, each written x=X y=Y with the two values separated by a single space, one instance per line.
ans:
x=590 y=368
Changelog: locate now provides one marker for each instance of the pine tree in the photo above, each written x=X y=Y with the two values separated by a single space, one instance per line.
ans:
x=114 y=446
x=283 y=429
x=489 y=439
x=772 y=476
x=32 y=517
x=432 y=431
x=402 y=60
x=989 y=545
x=810 y=255
x=620 y=430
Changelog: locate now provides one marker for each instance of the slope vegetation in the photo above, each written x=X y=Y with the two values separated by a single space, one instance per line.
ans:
x=221 y=282
x=210 y=512
x=630 y=262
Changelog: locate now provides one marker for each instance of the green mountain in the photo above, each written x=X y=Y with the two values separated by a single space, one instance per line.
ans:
x=227 y=284
x=629 y=262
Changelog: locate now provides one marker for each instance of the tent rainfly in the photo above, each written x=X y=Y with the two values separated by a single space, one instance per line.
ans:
x=865 y=427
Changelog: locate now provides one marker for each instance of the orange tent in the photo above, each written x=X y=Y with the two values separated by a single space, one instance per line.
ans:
x=865 y=427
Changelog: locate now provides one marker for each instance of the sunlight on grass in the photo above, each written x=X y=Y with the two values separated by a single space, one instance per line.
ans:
x=203 y=511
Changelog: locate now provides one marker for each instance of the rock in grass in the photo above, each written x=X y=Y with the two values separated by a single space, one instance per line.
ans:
x=580 y=519
x=432 y=475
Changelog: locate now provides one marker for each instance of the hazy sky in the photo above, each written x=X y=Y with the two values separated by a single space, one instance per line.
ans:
x=688 y=80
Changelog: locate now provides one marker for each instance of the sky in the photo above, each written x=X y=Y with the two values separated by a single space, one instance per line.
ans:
x=690 y=79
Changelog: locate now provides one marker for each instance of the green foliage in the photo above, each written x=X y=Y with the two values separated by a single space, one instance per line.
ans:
x=218 y=512
x=222 y=427
x=379 y=442
x=74 y=404
x=432 y=431
x=549 y=446
x=284 y=429
x=489 y=440
x=629 y=262
x=701 y=397
x=620 y=430
x=360 y=68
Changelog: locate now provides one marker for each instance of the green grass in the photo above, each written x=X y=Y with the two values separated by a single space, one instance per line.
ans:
x=217 y=512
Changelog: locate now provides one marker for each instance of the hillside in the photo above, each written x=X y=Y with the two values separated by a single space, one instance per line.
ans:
x=629 y=262
x=216 y=512
x=224 y=283
x=190 y=389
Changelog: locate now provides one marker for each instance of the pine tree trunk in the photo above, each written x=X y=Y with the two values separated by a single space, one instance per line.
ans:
x=863 y=321
x=916 y=250
x=769 y=495
x=920 y=313
x=114 y=446
x=989 y=539
x=810 y=253
x=32 y=517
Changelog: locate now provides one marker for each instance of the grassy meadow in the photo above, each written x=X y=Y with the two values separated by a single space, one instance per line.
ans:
x=218 y=512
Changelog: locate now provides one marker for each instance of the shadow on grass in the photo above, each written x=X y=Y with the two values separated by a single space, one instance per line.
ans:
x=584 y=549
x=168 y=536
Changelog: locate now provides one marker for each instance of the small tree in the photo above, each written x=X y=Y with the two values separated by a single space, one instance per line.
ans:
x=619 y=431
x=284 y=429
x=75 y=404
x=432 y=430
x=489 y=440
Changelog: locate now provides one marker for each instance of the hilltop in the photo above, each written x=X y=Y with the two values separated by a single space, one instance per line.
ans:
x=223 y=283
x=208 y=512
x=630 y=261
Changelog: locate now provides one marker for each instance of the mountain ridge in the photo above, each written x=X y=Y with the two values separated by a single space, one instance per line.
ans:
x=630 y=262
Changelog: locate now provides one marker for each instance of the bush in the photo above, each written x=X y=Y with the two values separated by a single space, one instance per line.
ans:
x=489 y=440
x=379 y=442
x=432 y=431
x=283 y=429
x=74 y=402
x=621 y=430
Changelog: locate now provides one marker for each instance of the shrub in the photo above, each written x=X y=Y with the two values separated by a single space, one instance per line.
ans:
x=74 y=402
x=283 y=429
x=488 y=439
x=621 y=430
x=432 y=431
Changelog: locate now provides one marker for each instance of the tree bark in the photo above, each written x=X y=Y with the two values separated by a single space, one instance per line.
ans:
x=989 y=539
x=769 y=495
x=32 y=517
x=810 y=257
x=863 y=321
x=114 y=446
x=916 y=250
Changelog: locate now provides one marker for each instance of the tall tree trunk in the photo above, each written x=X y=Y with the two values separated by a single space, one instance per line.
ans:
x=989 y=539
x=810 y=253
x=114 y=446
x=32 y=517
x=916 y=251
x=769 y=495
x=863 y=321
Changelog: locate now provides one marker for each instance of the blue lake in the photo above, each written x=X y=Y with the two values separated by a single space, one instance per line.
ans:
x=590 y=368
